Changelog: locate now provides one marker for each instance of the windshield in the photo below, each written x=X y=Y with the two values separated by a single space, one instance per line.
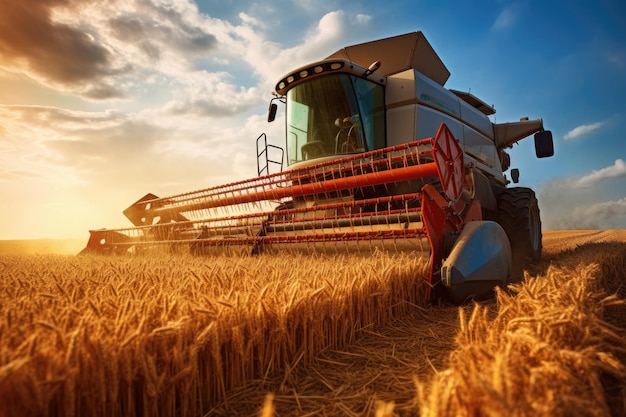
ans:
x=334 y=115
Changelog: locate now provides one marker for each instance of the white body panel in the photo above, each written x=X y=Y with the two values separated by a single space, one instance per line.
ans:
x=417 y=106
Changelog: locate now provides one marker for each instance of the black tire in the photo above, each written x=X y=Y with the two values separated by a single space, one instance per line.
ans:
x=518 y=214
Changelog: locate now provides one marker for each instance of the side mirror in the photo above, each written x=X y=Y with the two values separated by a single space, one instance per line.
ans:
x=544 y=146
x=515 y=175
x=272 y=112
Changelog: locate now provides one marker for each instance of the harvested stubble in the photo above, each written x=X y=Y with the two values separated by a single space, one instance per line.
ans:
x=95 y=336
x=375 y=373
x=386 y=362
x=558 y=242
x=552 y=349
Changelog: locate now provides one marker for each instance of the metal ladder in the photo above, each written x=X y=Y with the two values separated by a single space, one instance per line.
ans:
x=263 y=154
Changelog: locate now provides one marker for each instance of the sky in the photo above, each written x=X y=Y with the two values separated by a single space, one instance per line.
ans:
x=103 y=101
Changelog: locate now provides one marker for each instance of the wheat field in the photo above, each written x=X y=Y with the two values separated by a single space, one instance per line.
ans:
x=310 y=335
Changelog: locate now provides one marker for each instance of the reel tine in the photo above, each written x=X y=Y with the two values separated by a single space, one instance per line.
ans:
x=235 y=213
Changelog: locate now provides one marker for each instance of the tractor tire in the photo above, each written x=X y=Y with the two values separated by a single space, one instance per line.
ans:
x=518 y=214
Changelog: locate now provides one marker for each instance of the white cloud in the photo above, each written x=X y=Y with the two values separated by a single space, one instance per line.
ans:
x=95 y=164
x=506 y=18
x=362 y=19
x=213 y=95
x=251 y=20
x=125 y=43
x=618 y=169
x=602 y=215
x=159 y=42
x=187 y=124
x=582 y=130
x=566 y=202
x=334 y=30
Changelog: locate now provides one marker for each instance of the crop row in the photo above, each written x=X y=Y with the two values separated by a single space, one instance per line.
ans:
x=95 y=336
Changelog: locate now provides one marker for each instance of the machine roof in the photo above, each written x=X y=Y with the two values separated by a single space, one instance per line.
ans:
x=475 y=102
x=397 y=54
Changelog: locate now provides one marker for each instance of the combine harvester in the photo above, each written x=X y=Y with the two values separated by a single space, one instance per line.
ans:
x=380 y=156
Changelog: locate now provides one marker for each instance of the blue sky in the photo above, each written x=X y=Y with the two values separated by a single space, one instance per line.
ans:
x=102 y=102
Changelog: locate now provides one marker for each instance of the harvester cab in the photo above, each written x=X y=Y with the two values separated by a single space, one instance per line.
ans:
x=380 y=156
